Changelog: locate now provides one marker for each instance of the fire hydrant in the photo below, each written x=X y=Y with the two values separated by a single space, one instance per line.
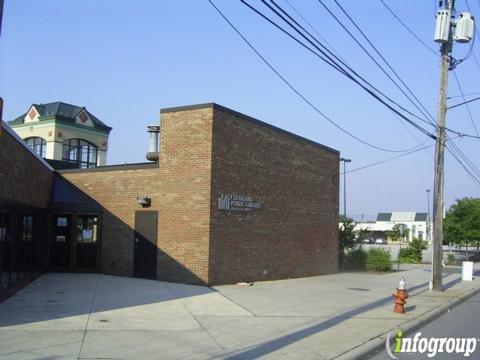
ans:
x=400 y=297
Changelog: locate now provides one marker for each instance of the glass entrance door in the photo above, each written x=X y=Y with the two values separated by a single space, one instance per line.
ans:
x=86 y=242
x=60 y=242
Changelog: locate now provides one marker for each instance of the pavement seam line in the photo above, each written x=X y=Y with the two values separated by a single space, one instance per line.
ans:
x=89 y=315
x=232 y=301
x=195 y=318
x=40 y=348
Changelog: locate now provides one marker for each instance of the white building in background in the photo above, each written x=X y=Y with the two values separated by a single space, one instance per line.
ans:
x=416 y=222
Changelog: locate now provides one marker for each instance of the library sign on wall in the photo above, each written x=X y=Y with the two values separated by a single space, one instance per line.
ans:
x=238 y=203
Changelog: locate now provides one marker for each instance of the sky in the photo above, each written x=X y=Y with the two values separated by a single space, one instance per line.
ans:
x=125 y=60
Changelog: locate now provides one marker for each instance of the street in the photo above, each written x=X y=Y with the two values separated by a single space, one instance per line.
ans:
x=461 y=322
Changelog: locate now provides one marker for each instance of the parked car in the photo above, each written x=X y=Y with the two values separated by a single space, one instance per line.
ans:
x=368 y=241
x=380 y=241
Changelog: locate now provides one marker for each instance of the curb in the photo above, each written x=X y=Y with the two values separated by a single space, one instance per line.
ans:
x=375 y=345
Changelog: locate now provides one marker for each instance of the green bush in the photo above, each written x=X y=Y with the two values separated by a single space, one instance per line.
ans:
x=379 y=260
x=356 y=259
x=451 y=259
x=413 y=252
x=406 y=255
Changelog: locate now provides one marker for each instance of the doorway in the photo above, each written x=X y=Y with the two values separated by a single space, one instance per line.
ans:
x=60 y=242
x=86 y=248
x=145 y=244
x=74 y=242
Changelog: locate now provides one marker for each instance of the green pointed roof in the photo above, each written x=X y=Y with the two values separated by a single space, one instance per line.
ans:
x=62 y=111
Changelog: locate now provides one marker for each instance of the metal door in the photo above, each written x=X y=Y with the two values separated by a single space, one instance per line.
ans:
x=145 y=244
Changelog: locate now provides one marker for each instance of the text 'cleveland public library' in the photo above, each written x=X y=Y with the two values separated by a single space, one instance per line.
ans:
x=225 y=198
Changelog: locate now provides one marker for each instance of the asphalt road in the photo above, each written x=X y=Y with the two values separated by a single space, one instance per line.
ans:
x=463 y=321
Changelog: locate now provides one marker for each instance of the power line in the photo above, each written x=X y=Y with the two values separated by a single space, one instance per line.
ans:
x=408 y=29
x=466 y=103
x=476 y=35
x=463 y=103
x=308 y=102
x=336 y=65
x=297 y=92
x=466 y=159
x=380 y=66
x=336 y=53
x=393 y=158
x=457 y=96
x=456 y=152
x=431 y=50
x=469 y=163
x=472 y=176
x=314 y=30
x=389 y=159
x=381 y=57
x=343 y=63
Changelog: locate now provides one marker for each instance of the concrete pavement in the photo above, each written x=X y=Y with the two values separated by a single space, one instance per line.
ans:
x=92 y=316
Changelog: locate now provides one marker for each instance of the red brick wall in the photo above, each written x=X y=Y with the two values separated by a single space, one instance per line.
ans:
x=24 y=179
x=295 y=232
x=180 y=191
x=202 y=156
x=185 y=185
x=117 y=192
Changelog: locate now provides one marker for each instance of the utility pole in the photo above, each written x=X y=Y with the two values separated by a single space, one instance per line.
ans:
x=437 y=255
x=447 y=29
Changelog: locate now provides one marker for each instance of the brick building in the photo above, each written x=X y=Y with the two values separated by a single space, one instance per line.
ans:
x=230 y=199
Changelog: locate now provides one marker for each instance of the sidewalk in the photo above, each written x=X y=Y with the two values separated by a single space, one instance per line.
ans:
x=91 y=316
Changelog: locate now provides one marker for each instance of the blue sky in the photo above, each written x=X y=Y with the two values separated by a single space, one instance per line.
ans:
x=125 y=60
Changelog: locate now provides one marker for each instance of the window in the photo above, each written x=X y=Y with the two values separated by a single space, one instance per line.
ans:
x=5 y=226
x=27 y=228
x=81 y=152
x=62 y=229
x=37 y=144
x=87 y=229
x=62 y=221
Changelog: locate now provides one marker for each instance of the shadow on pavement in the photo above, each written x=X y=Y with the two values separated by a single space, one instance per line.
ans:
x=283 y=341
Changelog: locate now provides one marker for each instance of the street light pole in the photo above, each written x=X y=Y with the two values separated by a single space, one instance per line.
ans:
x=341 y=253
x=345 y=189
x=429 y=234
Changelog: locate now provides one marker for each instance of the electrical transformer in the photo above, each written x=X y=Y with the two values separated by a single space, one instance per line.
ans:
x=442 y=26
x=465 y=28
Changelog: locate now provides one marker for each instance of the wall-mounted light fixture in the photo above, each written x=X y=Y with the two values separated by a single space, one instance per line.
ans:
x=144 y=200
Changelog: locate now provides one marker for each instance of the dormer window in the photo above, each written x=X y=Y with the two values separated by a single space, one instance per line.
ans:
x=37 y=144
x=81 y=152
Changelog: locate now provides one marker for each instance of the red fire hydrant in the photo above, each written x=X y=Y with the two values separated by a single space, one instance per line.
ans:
x=400 y=297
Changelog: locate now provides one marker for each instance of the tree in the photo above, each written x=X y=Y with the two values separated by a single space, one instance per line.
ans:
x=413 y=253
x=462 y=222
x=396 y=233
x=348 y=240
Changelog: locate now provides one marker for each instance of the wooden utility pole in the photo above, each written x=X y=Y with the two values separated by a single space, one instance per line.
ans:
x=438 y=200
